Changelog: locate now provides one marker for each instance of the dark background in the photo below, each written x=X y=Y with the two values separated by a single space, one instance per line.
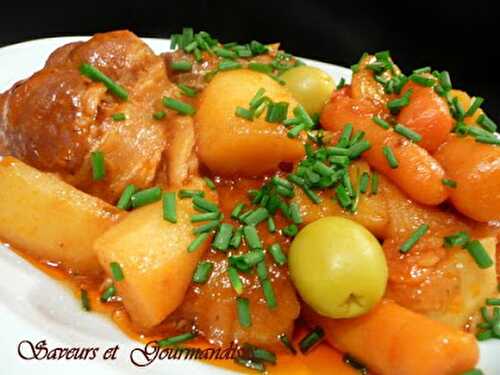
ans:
x=461 y=37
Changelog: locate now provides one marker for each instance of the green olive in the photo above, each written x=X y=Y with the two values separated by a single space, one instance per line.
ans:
x=310 y=86
x=338 y=267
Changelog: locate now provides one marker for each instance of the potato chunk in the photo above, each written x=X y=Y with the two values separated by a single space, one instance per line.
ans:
x=49 y=219
x=154 y=258
x=230 y=145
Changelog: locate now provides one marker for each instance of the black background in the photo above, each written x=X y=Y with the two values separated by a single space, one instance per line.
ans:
x=461 y=37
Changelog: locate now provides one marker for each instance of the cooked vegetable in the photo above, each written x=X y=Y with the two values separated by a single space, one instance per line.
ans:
x=446 y=284
x=49 y=219
x=428 y=115
x=153 y=255
x=476 y=169
x=393 y=340
x=418 y=173
x=310 y=86
x=231 y=145
x=338 y=267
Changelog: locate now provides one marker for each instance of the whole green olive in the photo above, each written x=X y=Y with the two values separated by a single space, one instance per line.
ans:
x=310 y=86
x=338 y=267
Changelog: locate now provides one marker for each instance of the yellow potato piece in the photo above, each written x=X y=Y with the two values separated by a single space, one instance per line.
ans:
x=153 y=255
x=474 y=287
x=49 y=219
x=231 y=145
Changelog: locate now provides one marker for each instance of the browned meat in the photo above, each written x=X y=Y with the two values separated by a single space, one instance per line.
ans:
x=55 y=118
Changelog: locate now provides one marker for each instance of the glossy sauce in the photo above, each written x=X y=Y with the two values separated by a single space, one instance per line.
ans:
x=321 y=359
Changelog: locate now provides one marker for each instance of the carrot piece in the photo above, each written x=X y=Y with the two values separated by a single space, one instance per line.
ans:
x=476 y=169
x=418 y=175
x=428 y=115
x=393 y=340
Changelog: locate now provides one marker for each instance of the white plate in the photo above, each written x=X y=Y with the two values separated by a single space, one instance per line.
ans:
x=35 y=307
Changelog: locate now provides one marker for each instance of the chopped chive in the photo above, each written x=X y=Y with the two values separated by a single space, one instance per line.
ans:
x=181 y=66
x=160 y=115
x=204 y=205
x=250 y=364
x=245 y=262
x=422 y=81
x=258 y=98
x=391 y=158
x=322 y=168
x=374 y=186
x=258 y=215
x=337 y=151
x=342 y=196
x=236 y=238
x=457 y=109
x=300 y=112
x=311 y=195
x=269 y=295
x=244 y=215
x=228 y=65
x=259 y=67
x=449 y=182
x=223 y=52
x=363 y=182
x=487 y=123
x=415 y=236
x=345 y=136
x=169 y=207
x=252 y=237
x=285 y=192
x=295 y=131
x=186 y=90
x=277 y=254
x=271 y=226
x=186 y=193
x=262 y=270
x=341 y=83
x=175 y=340
x=179 y=106
x=116 y=271
x=235 y=213
x=493 y=301
x=124 y=202
x=146 y=196
x=355 y=364
x=476 y=103
x=98 y=166
x=96 y=75
x=381 y=122
x=258 y=354
x=286 y=342
x=221 y=241
x=358 y=148
x=84 y=297
x=205 y=216
x=444 y=79
x=243 y=308
x=479 y=253
x=210 y=183
x=119 y=116
x=425 y=69
x=312 y=338
x=277 y=112
x=396 y=105
x=235 y=280
x=206 y=228
x=291 y=230
x=108 y=293
x=485 y=335
x=244 y=113
x=295 y=213
x=407 y=133
x=491 y=140
x=356 y=138
x=197 y=242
